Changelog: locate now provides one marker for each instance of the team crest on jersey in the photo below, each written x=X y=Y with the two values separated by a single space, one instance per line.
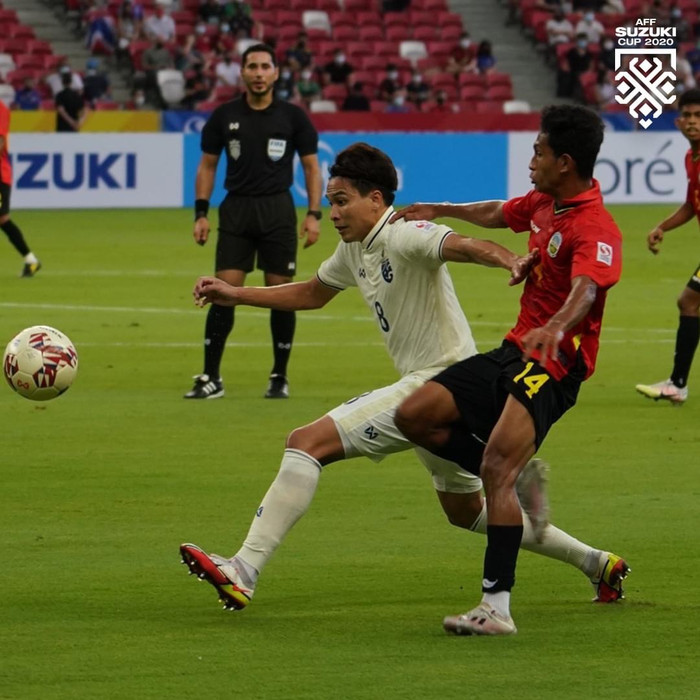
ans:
x=554 y=245
x=234 y=148
x=605 y=253
x=276 y=148
x=387 y=272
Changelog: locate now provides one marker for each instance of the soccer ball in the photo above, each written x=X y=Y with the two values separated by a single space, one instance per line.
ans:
x=40 y=363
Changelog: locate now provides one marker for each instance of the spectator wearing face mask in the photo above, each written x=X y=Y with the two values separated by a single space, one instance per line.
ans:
x=356 y=101
x=417 y=90
x=211 y=12
x=308 y=88
x=238 y=15
x=197 y=88
x=299 y=56
x=95 y=83
x=27 y=97
x=398 y=103
x=485 y=60
x=390 y=84
x=463 y=56
x=137 y=101
x=591 y=27
x=284 y=86
x=559 y=29
x=337 y=71
x=606 y=55
x=683 y=29
x=442 y=104
x=577 y=60
x=227 y=71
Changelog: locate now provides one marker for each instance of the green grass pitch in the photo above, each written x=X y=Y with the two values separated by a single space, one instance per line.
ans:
x=99 y=487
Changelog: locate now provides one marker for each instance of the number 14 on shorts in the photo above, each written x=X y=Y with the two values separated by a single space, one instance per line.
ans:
x=533 y=382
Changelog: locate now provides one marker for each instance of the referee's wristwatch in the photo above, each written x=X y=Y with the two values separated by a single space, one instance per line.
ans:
x=316 y=213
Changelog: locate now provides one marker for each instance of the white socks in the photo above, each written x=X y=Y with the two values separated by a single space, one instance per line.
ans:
x=287 y=499
x=31 y=259
x=555 y=544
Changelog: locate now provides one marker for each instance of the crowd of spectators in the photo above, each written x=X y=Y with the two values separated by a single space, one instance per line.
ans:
x=578 y=40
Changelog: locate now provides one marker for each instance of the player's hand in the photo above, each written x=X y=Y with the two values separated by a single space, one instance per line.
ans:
x=522 y=266
x=311 y=230
x=545 y=340
x=201 y=230
x=654 y=240
x=420 y=211
x=212 y=290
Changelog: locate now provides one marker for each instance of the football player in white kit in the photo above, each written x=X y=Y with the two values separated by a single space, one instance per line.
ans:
x=400 y=271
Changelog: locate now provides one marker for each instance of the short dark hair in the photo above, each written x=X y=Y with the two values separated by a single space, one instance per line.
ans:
x=576 y=131
x=258 y=48
x=689 y=97
x=368 y=169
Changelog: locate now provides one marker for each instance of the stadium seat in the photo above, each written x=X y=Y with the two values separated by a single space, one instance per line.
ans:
x=368 y=78
x=432 y=5
x=323 y=106
x=440 y=49
x=394 y=18
x=357 y=5
x=8 y=17
x=413 y=50
x=471 y=79
x=20 y=31
x=7 y=94
x=276 y=4
x=386 y=49
x=105 y=105
x=364 y=18
x=7 y=64
x=426 y=33
x=224 y=93
x=39 y=46
x=398 y=32
x=516 y=107
x=421 y=18
x=489 y=107
x=337 y=93
x=445 y=19
x=358 y=48
x=370 y=33
x=47 y=105
x=471 y=92
x=438 y=81
x=491 y=79
x=451 y=32
x=344 y=33
x=172 y=85
x=206 y=106
x=316 y=19
x=286 y=18
x=29 y=60
x=499 y=92
x=377 y=105
x=19 y=75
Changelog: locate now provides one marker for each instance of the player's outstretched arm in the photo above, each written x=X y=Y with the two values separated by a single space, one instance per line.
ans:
x=546 y=339
x=295 y=296
x=456 y=248
x=486 y=214
x=679 y=217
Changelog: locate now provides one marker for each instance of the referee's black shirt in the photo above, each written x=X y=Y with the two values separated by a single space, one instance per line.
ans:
x=259 y=144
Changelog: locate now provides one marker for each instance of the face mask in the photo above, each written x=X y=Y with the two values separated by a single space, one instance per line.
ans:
x=608 y=45
x=306 y=75
x=139 y=100
x=399 y=100
x=416 y=80
x=91 y=71
x=200 y=29
x=340 y=58
x=285 y=75
x=589 y=17
x=225 y=29
x=465 y=43
x=393 y=75
x=582 y=44
x=676 y=13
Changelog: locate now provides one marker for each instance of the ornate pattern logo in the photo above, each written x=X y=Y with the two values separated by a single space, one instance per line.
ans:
x=645 y=69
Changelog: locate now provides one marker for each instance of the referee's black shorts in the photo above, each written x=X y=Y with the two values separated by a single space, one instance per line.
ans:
x=481 y=384
x=5 y=190
x=265 y=227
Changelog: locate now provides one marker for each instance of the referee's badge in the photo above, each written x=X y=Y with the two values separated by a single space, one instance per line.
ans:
x=234 y=148
x=554 y=245
x=276 y=148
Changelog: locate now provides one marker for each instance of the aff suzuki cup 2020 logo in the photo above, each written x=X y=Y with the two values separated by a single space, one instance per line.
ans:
x=645 y=69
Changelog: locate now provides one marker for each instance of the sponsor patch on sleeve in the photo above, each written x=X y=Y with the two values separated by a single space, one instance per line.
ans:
x=605 y=253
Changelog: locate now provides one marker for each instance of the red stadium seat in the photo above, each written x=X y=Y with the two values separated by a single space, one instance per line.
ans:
x=29 y=60
x=449 y=18
x=393 y=18
x=397 y=32
x=358 y=48
x=489 y=107
x=38 y=46
x=378 y=105
x=344 y=33
x=471 y=79
x=338 y=18
x=451 y=32
x=426 y=33
x=418 y=18
x=386 y=48
x=491 y=79
x=105 y=105
x=367 y=77
x=358 y=5
x=370 y=33
x=20 y=31
x=471 y=92
x=499 y=92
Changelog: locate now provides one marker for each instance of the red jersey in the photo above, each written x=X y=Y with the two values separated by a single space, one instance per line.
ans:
x=692 y=169
x=578 y=238
x=5 y=169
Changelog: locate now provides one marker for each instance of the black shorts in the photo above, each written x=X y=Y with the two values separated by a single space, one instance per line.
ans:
x=481 y=384
x=266 y=226
x=5 y=191
x=694 y=281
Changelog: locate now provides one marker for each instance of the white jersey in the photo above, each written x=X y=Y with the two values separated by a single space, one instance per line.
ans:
x=402 y=277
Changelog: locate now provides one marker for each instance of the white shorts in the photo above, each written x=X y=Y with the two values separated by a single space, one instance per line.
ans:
x=366 y=428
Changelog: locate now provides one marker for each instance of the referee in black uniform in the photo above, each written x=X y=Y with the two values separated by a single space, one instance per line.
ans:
x=260 y=135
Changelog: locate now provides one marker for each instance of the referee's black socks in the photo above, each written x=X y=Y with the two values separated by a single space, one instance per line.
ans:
x=217 y=329
x=282 y=325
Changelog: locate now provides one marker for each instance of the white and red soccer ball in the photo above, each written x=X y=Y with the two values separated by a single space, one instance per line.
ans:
x=40 y=363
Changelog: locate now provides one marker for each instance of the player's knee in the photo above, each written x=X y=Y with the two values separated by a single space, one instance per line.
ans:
x=299 y=439
x=688 y=305
x=407 y=419
x=497 y=471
